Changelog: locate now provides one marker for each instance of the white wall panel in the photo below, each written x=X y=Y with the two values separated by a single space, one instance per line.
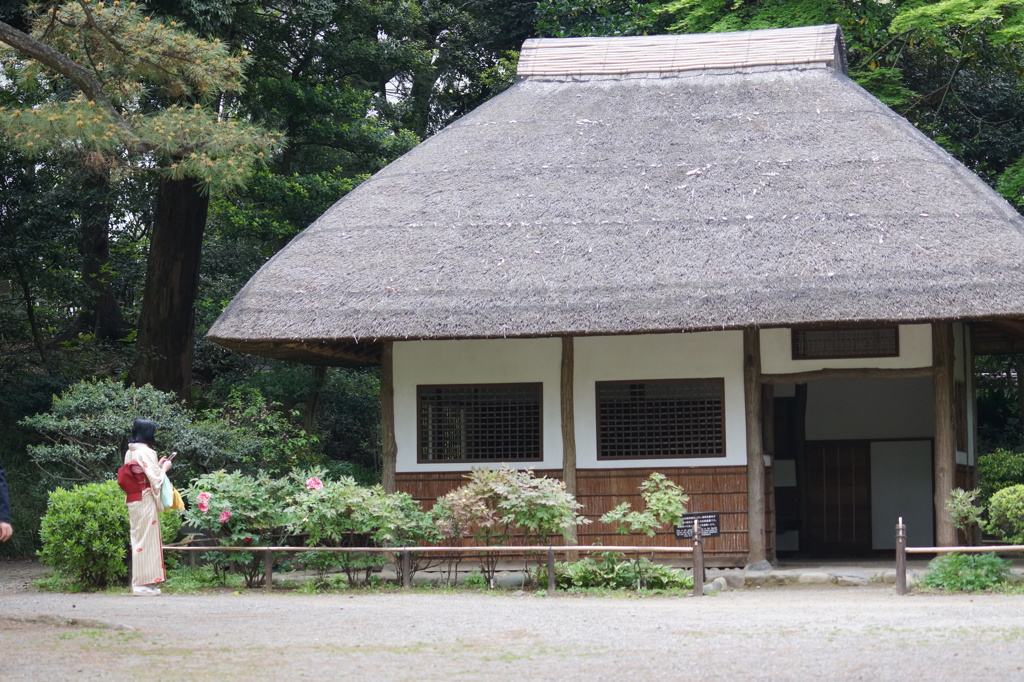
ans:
x=490 y=361
x=660 y=356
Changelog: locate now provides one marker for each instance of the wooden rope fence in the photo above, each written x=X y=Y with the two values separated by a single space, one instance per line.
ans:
x=902 y=551
x=697 y=550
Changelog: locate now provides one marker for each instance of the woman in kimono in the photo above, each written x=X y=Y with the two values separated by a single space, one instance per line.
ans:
x=144 y=509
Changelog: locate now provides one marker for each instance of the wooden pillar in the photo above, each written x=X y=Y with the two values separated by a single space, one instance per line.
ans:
x=944 y=466
x=972 y=423
x=755 y=450
x=768 y=448
x=800 y=455
x=389 y=447
x=568 y=420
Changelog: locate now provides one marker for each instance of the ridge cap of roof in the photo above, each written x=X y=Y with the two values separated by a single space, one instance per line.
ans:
x=543 y=57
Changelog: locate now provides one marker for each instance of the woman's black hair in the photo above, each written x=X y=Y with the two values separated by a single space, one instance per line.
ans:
x=143 y=431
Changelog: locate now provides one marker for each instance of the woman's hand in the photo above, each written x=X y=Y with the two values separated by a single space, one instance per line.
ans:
x=165 y=462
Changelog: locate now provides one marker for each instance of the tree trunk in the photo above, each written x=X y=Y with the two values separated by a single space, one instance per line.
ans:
x=103 y=316
x=30 y=311
x=319 y=376
x=167 y=322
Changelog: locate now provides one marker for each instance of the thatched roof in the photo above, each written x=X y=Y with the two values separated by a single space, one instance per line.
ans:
x=736 y=180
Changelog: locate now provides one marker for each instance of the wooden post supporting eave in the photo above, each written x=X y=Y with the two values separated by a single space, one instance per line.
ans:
x=768 y=450
x=755 y=449
x=389 y=446
x=944 y=465
x=568 y=420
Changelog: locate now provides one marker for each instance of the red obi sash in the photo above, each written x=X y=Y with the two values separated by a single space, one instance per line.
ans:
x=132 y=480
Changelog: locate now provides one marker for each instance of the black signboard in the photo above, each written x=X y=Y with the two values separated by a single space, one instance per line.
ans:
x=710 y=526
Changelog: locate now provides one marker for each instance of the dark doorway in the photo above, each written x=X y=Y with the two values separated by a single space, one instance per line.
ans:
x=838 y=493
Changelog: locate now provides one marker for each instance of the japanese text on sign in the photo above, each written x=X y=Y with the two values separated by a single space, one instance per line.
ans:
x=710 y=527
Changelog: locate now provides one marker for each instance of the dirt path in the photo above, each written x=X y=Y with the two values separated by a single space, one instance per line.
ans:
x=863 y=633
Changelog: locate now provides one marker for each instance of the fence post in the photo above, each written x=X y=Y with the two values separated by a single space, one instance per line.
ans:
x=901 y=557
x=406 y=569
x=268 y=570
x=698 y=561
x=551 y=572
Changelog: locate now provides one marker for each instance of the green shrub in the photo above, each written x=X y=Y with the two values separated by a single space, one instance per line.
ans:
x=966 y=572
x=277 y=444
x=86 y=429
x=85 y=534
x=498 y=504
x=611 y=571
x=476 y=581
x=962 y=510
x=343 y=513
x=999 y=469
x=1006 y=514
x=240 y=510
x=665 y=503
x=86 y=433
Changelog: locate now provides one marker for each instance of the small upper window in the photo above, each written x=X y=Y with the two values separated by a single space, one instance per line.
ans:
x=479 y=423
x=849 y=342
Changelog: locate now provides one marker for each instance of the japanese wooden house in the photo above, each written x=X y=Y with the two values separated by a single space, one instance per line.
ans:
x=713 y=256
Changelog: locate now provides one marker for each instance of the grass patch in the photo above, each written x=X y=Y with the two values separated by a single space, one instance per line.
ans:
x=186 y=580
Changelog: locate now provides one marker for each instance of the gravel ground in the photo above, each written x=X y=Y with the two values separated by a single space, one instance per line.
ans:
x=781 y=633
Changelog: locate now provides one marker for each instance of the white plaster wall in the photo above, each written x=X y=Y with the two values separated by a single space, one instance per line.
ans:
x=777 y=353
x=901 y=485
x=870 y=409
x=659 y=356
x=490 y=361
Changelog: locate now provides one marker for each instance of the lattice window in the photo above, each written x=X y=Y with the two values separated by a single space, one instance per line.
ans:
x=480 y=423
x=664 y=418
x=852 y=342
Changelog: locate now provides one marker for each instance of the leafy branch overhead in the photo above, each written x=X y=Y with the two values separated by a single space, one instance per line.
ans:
x=125 y=64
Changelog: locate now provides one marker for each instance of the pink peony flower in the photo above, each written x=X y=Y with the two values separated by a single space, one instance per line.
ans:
x=314 y=483
x=204 y=507
x=224 y=516
x=203 y=497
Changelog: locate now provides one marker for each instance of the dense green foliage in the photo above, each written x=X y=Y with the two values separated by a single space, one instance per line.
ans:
x=664 y=503
x=342 y=513
x=240 y=510
x=966 y=572
x=1006 y=514
x=85 y=433
x=496 y=505
x=85 y=535
x=963 y=510
x=308 y=508
x=999 y=469
x=611 y=571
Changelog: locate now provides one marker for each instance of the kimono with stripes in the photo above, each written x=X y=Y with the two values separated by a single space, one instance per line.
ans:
x=144 y=513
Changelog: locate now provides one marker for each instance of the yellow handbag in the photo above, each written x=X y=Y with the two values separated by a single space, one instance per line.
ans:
x=170 y=497
x=178 y=503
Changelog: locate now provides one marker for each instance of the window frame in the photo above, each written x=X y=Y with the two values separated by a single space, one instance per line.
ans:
x=794 y=331
x=719 y=381
x=420 y=388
